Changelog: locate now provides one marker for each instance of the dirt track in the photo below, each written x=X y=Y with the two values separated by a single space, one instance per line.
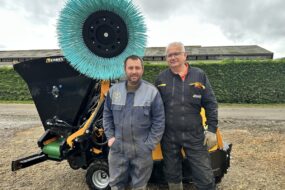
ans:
x=258 y=156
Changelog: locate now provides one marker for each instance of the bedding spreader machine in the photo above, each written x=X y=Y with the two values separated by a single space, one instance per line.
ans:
x=68 y=91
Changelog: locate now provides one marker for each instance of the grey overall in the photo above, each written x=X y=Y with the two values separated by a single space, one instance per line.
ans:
x=136 y=120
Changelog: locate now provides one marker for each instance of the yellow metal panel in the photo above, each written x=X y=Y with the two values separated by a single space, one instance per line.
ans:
x=157 y=154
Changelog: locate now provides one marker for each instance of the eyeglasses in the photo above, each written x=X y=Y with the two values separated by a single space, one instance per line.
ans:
x=175 y=54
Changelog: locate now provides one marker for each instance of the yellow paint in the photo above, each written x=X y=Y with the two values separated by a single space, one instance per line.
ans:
x=157 y=153
x=220 y=144
x=96 y=151
x=100 y=132
x=198 y=85
x=203 y=115
x=105 y=86
x=50 y=140
x=219 y=139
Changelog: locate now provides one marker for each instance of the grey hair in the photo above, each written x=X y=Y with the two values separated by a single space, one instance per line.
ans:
x=179 y=44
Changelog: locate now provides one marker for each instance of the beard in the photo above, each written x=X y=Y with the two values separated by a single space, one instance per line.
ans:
x=134 y=79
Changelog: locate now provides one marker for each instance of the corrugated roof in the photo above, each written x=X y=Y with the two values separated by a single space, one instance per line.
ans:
x=151 y=51
x=213 y=50
x=30 y=53
x=232 y=50
x=160 y=51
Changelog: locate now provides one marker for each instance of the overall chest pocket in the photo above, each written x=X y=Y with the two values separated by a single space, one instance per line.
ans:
x=117 y=113
x=142 y=116
x=194 y=95
x=166 y=92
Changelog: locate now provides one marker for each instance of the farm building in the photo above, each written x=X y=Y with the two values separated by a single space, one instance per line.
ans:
x=213 y=53
x=155 y=53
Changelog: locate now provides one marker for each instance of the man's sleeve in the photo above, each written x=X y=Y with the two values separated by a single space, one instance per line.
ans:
x=157 y=122
x=210 y=104
x=108 y=122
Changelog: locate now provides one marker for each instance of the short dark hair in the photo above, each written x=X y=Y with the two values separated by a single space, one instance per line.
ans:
x=133 y=57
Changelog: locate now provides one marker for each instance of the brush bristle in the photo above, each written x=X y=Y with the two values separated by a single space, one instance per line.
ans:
x=71 y=42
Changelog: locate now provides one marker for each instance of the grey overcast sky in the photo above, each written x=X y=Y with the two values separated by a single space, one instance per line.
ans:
x=31 y=24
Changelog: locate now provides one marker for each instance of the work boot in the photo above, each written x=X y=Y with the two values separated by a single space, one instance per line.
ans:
x=117 y=188
x=140 y=188
x=175 y=186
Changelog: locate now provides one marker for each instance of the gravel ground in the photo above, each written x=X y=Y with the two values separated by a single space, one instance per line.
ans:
x=258 y=155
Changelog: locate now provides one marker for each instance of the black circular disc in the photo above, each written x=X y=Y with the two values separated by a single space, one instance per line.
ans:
x=105 y=34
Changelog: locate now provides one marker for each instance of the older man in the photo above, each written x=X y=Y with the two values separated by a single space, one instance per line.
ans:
x=133 y=120
x=185 y=90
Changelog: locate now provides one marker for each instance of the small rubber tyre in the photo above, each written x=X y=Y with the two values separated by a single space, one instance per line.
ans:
x=97 y=176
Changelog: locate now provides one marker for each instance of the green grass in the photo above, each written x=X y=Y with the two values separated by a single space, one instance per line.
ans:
x=16 y=102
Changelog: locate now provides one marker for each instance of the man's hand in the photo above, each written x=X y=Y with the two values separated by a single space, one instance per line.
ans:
x=111 y=141
x=210 y=139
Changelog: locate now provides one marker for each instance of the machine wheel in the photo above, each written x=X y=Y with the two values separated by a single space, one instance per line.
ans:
x=97 y=176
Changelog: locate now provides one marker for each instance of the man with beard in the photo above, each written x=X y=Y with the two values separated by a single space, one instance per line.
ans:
x=133 y=120
x=185 y=90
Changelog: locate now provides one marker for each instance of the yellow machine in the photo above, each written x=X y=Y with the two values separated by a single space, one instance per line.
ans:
x=70 y=106
x=157 y=154
x=95 y=37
